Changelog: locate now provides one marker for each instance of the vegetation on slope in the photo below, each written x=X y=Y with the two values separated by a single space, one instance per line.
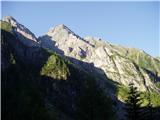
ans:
x=5 y=26
x=158 y=58
x=55 y=68
x=135 y=109
x=122 y=92
x=133 y=104
x=139 y=57
x=144 y=60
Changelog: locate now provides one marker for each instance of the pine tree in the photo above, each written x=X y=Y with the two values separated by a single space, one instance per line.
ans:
x=133 y=103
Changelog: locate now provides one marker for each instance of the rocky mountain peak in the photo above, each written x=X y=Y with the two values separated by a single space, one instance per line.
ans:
x=23 y=33
x=118 y=63
x=63 y=27
x=11 y=20
x=62 y=31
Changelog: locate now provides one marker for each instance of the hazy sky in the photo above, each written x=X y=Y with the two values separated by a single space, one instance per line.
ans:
x=132 y=24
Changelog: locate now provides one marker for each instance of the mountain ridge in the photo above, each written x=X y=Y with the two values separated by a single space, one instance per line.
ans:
x=101 y=53
x=65 y=61
x=97 y=51
x=83 y=49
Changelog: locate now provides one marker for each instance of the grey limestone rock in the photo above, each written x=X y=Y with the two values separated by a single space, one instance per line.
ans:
x=23 y=33
x=117 y=62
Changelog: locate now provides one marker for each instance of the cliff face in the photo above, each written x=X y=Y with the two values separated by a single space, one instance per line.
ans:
x=122 y=65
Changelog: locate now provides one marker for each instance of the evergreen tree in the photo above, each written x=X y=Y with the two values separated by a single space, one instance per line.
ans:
x=133 y=103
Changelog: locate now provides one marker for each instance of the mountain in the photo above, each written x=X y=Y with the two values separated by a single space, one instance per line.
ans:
x=122 y=65
x=39 y=84
x=57 y=75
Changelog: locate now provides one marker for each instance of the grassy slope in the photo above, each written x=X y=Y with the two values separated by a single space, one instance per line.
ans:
x=139 y=57
x=145 y=61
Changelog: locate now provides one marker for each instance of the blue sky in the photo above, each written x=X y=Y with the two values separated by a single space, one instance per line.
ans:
x=131 y=24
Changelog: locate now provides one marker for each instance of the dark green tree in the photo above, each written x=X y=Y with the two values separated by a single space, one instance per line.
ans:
x=93 y=104
x=133 y=103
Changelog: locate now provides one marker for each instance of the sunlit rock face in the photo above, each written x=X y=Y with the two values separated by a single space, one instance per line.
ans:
x=23 y=33
x=120 y=64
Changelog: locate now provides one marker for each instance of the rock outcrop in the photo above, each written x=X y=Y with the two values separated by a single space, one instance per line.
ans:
x=23 y=33
x=122 y=65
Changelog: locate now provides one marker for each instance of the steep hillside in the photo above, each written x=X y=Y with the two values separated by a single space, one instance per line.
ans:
x=38 y=84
